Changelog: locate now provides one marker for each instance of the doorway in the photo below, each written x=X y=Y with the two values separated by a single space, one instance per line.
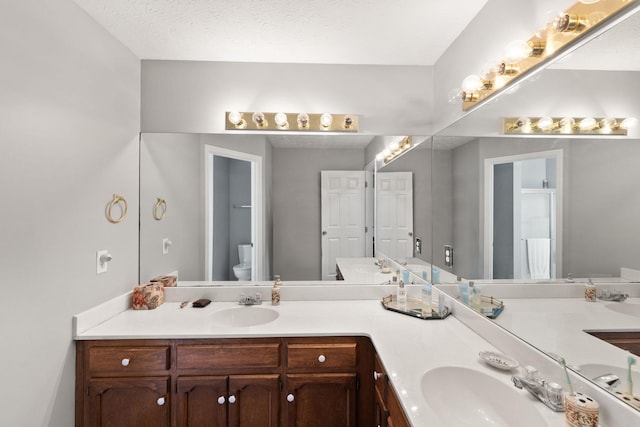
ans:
x=523 y=216
x=233 y=212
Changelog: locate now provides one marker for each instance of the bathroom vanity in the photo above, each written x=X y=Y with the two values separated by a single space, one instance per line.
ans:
x=341 y=362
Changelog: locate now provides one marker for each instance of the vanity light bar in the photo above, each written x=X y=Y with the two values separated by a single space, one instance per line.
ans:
x=402 y=146
x=522 y=57
x=311 y=122
x=566 y=126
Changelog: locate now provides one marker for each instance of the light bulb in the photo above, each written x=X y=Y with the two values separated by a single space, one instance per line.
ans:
x=385 y=152
x=259 y=119
x=472 y=83
x=588 y=123
x=326 y=120
x=348 y=122
x=628 y=123
x=235 y=117
x=517 y=50
x=588 y=1
x=545 y=123
x=303 y=120
x=524 y=124
x=567 y=124
x=394 y=145
x=380 y=156
x=281 y=120
x=606 y=125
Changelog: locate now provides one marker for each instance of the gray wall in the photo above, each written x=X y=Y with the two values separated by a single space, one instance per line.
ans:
x=221 y=219
x=70 y=109
x=239 y=218
x=296 y=206
x=192 y=96
x=600 y=210
x=171 y=167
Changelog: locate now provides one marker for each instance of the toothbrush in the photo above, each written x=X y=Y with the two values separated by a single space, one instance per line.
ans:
x=630 y=361
x=566 y=374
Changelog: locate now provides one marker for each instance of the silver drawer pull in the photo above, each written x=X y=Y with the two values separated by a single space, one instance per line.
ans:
x=321 y=358
x=125 y=361
x=290 y=398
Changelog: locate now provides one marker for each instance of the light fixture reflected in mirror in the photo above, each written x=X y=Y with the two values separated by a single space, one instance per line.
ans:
x=394 y=149
x=280 y=121
x=566 y=125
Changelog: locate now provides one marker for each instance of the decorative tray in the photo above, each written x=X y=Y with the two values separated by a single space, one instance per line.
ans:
x=412 y=308
x=491 y=307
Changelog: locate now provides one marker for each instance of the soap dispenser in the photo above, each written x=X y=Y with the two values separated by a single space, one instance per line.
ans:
x=275 y=291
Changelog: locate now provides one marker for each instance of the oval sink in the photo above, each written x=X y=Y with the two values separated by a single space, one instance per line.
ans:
x=466 y=397
x=628 y=308
x=245 y=316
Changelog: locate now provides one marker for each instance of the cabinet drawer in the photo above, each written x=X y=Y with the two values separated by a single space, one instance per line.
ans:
x=228 y=356
x=122 y=359
x=322 y=356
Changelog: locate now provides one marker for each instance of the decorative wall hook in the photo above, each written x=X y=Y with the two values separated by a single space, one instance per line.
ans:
x=160 y=209
x=119 y=201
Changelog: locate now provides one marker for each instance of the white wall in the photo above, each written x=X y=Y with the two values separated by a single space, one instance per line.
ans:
x=69 y=139
x=191 y=96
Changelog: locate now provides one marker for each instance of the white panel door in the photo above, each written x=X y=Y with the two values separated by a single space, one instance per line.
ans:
x=394 y=214
x=343 y=218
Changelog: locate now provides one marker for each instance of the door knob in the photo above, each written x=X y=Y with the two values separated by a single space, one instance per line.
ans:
x=290 y=398
x=324 y=233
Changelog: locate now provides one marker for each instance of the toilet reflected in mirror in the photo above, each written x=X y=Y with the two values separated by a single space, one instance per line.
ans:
x=242 y=271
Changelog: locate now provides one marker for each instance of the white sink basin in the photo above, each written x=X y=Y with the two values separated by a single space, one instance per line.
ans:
x=245 y=316
x=466 y=397
x=628 y=308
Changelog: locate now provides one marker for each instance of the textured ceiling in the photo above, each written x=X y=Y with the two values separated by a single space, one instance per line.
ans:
x=401 y=32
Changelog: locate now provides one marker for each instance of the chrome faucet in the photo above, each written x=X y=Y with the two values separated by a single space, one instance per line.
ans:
x=615 y=295
x=249 y=300
x=549 y=393
x=607 y=381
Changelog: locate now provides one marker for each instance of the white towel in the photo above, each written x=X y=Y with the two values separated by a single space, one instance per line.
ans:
x=539 y=257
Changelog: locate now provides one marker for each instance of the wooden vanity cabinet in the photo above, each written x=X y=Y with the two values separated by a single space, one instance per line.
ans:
x=253 y=382
x=388 y=410
x=123 y=383
x=328 y=382
x=228 y=382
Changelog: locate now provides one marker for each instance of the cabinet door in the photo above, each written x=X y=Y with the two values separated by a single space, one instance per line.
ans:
x=135 y=402
x=256 y=400
x=321 y=400
x=202 y=401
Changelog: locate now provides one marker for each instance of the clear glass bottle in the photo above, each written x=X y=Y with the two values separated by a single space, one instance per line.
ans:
x=275 y=291
x=401 y=294
x=426 y=300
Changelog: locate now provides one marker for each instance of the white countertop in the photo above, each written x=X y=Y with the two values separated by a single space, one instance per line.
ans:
x=408 y=347
x=557 y=325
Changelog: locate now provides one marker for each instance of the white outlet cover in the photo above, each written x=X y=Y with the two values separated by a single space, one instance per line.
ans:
x=101 y=267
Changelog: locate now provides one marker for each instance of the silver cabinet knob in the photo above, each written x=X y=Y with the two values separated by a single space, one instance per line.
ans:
x=160 y=401
x=321 y=358
x=290 y=398
x=125 y=361
x=221 y=400
x=376 y=375
x=232 y=399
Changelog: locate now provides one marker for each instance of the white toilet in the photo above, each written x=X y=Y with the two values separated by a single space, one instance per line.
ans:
x=242 y=271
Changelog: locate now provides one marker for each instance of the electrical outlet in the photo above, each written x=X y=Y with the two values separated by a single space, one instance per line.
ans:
x=448 y=255
x=165 y=246
x=102 y=261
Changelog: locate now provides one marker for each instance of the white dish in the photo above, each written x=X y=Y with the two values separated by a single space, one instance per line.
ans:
x=498 y=360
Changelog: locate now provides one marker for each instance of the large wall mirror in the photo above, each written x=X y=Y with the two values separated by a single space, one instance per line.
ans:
x=219 y=208
x=501 y=197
